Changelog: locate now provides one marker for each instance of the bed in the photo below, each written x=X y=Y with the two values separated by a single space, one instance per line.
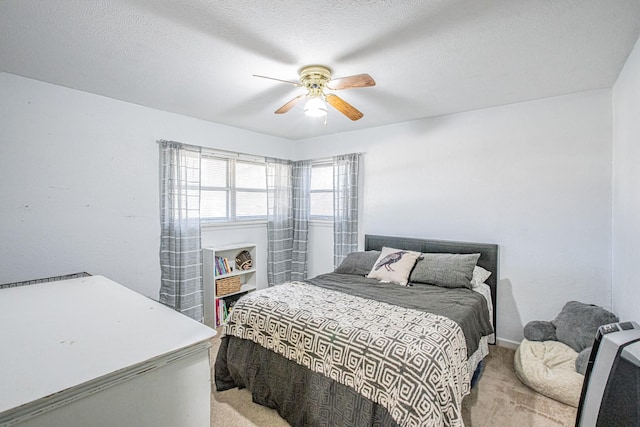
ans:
x=347 y=350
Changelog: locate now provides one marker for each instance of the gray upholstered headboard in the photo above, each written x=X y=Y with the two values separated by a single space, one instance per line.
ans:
x=488 y=254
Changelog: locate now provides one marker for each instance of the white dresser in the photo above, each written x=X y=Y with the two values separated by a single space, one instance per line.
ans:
x=89 y=352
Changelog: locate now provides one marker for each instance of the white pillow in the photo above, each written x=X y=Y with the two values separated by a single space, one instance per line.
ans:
x=480 y=275
x=394 y=265
x=485 y=290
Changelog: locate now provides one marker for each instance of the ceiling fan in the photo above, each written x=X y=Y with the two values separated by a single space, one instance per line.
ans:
x=317 y=78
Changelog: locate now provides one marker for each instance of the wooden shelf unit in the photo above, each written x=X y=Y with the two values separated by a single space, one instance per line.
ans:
x=247 y=277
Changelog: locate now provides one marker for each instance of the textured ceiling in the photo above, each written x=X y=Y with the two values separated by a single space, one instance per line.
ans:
x=428 y=57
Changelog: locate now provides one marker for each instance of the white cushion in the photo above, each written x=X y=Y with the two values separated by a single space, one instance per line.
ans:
x=394 y=265
x=548 y=367
x=480 y=275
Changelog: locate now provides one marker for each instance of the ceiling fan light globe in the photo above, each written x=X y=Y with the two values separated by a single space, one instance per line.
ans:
x=315 y=107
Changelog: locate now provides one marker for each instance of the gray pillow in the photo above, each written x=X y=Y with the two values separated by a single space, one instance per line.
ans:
x=577 y=324
x=358 y=263
x=446 y=270
x=540 y=330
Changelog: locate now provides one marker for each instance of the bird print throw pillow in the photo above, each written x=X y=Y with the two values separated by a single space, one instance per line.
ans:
x=394 y=265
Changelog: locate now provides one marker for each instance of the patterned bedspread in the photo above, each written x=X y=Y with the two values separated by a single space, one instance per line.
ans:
x=410 y=362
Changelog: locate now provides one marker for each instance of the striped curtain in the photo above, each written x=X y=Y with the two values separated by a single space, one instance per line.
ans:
x=345 y=206
x=301 y=212
x=279 y=221
x=180 y=241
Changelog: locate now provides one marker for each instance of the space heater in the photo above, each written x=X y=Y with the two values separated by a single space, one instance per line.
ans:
x=611 y=389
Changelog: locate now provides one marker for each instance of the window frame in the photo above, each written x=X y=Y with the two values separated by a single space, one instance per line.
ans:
x=321 y=218
x=232 y=190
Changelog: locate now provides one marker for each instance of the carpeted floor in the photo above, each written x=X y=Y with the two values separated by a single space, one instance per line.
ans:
x=499 y=399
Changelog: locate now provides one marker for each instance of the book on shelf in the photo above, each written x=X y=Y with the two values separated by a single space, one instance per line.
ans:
x=230 y=307
x=222 y=312
x=218 y=312
x=224 y=307
x=222 y=266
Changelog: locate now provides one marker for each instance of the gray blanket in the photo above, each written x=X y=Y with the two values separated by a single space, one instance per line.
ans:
x=464 y=306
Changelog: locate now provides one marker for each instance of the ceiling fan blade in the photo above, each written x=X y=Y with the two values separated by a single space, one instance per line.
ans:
x=289 y=105
x=359 y=80
x=344 y=107
x=279 y=80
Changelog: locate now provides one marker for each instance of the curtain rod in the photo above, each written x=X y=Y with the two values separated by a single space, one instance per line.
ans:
x=236 y=154
x=220 y=152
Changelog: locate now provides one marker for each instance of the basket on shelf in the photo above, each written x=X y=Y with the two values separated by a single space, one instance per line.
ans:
x=228 y=285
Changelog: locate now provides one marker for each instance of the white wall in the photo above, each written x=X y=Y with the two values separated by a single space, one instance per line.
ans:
x=320 y=259
x=626 y=189
x=80 y=188
x=533 y=177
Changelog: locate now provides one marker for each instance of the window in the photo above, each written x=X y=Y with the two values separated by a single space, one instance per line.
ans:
x=251 y=190
x=232 y=189
x=321 y=191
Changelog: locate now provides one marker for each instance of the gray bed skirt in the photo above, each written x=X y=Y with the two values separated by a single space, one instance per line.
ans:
x=301 y=397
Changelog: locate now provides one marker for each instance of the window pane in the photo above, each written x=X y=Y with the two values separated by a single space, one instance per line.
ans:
x=192 y=172
x=322 y=177
x=251 y=204
x=214 y=172
x=322 y=204
x=251 y=175
x=213 y=205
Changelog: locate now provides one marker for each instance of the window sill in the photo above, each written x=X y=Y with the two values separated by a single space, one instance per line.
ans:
x=238 y=224
x=258 y=224
x=321 y=223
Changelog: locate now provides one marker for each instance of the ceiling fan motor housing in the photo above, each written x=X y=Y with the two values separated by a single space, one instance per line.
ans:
x=314 y=78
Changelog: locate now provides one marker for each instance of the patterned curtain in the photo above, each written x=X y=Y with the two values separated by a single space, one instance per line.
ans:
x=345 y=206
x=279 y=221
x=301 y=208
x=180 y=247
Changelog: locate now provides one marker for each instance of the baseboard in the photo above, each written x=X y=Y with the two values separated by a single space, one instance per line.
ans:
x=507 y=343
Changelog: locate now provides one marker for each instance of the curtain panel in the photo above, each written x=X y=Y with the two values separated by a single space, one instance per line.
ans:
x=345 y=206
x=279 y=221
x=180 y=240
x=288 y=205
x=301 y=213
